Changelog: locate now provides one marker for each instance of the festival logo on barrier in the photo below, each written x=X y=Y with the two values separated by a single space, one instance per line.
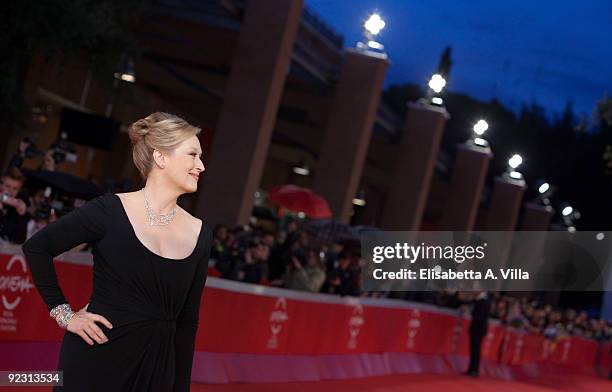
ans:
x=413 y=327
x=278 y=316
x=486 y=344
x=355 y=323
x=518 y=349
x=567 y=345
x=457 y=330
x=14 y=281
x=546 y=348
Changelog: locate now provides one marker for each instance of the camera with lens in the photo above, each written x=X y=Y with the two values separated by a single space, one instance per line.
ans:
x=62 y=150
x=42 y=213
x=7 y=199
x=300 y=255
x=27 y=150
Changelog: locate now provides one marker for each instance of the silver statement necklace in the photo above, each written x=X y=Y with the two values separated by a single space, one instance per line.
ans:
x=154 y=218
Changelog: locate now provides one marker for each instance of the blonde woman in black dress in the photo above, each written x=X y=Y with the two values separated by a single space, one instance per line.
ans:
x=150 y=262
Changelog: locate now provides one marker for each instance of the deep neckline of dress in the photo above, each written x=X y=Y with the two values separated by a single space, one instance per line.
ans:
x=183 y=260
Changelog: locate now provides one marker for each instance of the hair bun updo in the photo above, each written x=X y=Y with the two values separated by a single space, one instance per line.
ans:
x=138 y=130
x=163 y=132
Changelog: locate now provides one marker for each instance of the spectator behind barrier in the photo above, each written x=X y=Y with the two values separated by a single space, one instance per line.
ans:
x=13 y=207
x=306 y=272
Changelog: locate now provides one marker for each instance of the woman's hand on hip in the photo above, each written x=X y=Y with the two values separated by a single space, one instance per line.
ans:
x=83 y=323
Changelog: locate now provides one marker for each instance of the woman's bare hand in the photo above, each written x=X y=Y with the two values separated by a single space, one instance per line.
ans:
x=83 y=323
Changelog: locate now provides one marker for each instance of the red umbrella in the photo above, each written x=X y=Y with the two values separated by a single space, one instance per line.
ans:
x=296 y=198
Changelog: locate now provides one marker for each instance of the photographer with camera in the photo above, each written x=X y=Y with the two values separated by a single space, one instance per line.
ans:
x=48 y=162
x=13 y=210
x=345 y=278
x=244 y=260
x=59 y=152
x=253 y=266
x=40 y=211
x=27 y=150
x=306 y=271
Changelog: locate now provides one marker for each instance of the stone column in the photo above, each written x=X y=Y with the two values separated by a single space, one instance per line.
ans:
x=414 y=166
x=469 y=173
x=242 y=135
x=348 y=130
x=537 y=217
x=505 y=204
x=529 y=251
x=502 y=215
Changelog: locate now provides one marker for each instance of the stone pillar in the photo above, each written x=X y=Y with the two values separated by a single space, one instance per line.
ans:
x=242 y=135
x=348 y=130
x=469 y=173
x=502 y=215
x=414 y=166
x=529 y=251
x=537 y=217
x=505 y=204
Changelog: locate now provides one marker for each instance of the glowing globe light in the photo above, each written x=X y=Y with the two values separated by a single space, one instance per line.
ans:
x=515 y=161
x=375 y=45
x=516 y=175
x=437 y=83
x=480 y=142
x=374 y=24
x=544 y=188
x=481 y=127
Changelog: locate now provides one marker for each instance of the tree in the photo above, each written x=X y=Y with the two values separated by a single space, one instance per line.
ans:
x=445 y=63
x=604 y=111
x=574 y=162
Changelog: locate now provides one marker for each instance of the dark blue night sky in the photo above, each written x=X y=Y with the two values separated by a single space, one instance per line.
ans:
x=519 y=51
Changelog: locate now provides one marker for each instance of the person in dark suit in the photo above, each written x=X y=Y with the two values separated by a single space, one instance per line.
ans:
x=478 y=329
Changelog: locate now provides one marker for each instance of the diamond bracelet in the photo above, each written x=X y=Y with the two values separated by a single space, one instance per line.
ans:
x=62 y=314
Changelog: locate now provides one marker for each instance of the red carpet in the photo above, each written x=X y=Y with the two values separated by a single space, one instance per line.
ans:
x=419 y=383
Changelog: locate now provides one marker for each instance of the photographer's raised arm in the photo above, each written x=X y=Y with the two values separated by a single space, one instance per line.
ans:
x=84 y=224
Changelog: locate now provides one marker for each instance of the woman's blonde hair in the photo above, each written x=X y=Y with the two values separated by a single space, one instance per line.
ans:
x=159 y=131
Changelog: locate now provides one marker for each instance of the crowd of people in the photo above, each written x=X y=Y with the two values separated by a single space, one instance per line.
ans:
x=22 y=212
x=526 y=313
x=27 y=206
x=287 y=259
x=291 y=259
x=532 y=315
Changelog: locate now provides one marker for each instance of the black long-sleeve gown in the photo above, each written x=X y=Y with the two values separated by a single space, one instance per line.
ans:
x=152 y=302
